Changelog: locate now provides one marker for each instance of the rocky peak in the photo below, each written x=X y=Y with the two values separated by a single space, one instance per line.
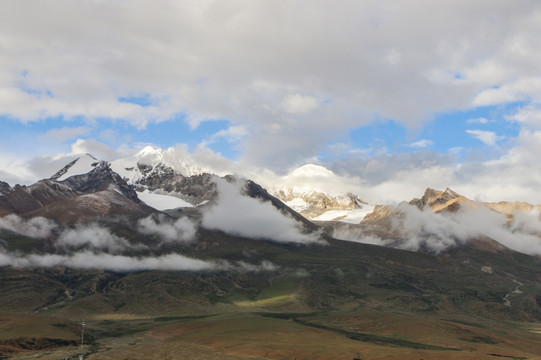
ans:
x=79 y=166
x=439 y=200
x=4 y=188
x=102 y=177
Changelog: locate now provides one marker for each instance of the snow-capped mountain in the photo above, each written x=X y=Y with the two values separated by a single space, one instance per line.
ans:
x=84 y=189
x=165 y=178
x=319 y=194
x=79 y=166
x=151 y=162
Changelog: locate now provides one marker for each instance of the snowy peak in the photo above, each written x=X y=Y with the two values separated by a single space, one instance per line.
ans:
x=312 y=171
x=89 y=175
x=149 y=151
x=152 y=161
x=80 y=166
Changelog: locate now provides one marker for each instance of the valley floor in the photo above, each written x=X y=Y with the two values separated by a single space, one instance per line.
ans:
x=356 y=334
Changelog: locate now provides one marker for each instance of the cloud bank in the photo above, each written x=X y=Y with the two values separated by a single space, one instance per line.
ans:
x=268 y=67
x=422 y=229
x=241 y=215
x=104 y=261
x=95 y=237
x=92 y=246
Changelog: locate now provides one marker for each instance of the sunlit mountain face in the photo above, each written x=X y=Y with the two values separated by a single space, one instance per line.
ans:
x=270 y=180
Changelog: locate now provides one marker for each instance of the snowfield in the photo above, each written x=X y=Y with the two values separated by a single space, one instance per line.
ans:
x=83 y=165
x=162 y=202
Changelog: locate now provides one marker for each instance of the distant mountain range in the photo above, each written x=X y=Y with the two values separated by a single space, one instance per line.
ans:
x=157 y=238
x=156 y=180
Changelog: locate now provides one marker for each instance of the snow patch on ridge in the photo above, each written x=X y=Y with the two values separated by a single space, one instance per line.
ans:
x=347 y=216
x=82 y=165
x=162 y=202
x=298 y=204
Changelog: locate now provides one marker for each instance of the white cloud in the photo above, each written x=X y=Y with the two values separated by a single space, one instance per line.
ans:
x=94 y=147
x=121 y=263
x=255 y=63
x=436 y=232
x=519 y=90
x=298 y=104
x=37 y=227
x=486 y=137
x=241 y=215
x=93 y=236
x=261 y=63
x=66 y=133
x=530 y=116
x=29 y=170
x=181 y=230
x=423 y=143
x=232 y=134
x=393 y=57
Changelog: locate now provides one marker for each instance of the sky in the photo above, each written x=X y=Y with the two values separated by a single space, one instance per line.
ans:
x=392 y=96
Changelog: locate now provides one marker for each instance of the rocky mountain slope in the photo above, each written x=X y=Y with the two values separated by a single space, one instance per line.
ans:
x=448 y=201
x=166 y=173
x=137 y=274
x=83 y=190
x=4 y=188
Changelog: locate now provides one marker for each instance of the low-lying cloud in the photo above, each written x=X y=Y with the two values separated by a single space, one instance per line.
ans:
x=92 y=246
x=241 y=215
x=95 y=237
x=418 y=229
x=182 y=230
x=104 y=261
x=37 y=227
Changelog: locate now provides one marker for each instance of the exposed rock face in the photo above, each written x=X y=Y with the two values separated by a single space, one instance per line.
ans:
x=510 y=208
x=321 y=200
x=380 y=212
x=24 y=199
x=193 y=189
x=313 y=204
x=438 y=201
x=99 y=179
x=80 y=197
x=4 y=188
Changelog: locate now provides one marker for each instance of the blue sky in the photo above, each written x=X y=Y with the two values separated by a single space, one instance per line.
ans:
x=444 y=133
x=381 y=94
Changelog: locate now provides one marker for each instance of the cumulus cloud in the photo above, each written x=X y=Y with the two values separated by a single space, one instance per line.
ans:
x=36 y=227
x=93 y=236
x=241 y=215
x=233 y=134
x=271 y=56
x=530 y=116
x=181 y=230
